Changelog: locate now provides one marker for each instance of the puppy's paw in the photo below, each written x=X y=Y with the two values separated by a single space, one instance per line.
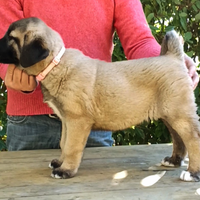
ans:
x=166 y=163
x=55 y=163
x=62 y=173
x=189 y=177
x=172 y=162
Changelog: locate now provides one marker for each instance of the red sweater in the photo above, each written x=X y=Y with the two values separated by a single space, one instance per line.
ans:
x=86 y=25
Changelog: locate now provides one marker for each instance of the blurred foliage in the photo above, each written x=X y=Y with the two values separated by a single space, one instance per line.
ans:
x=146 y=133
x=3 y=97
x=162 y=16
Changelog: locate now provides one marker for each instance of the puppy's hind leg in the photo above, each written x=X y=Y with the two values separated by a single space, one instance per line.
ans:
x=188 y=128
x=78 y=131
x=179 y=149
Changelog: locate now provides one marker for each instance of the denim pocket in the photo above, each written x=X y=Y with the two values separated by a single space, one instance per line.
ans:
x=16 y=119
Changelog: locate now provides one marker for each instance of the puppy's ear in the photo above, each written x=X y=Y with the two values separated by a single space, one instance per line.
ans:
x=33 y=53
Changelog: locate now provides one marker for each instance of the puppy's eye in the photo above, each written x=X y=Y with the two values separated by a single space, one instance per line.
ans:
x=12 y=38
x=25 y=37
x=15 y=39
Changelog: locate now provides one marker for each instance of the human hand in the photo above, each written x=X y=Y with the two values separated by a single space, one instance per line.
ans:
x=192 y=70
x=17 y=79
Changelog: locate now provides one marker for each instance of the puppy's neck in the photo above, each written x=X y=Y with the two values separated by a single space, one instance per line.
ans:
x=53 y=63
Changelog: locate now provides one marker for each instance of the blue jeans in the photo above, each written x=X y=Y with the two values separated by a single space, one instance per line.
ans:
x=44 y=132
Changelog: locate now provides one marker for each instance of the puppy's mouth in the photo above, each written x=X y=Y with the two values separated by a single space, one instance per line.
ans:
x=6 y=59
x=8 y=54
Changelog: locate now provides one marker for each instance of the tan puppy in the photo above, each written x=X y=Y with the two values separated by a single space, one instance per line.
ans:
x=92 y=94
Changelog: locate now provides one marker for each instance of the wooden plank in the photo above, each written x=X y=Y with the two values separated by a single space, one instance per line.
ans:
x=25 y=175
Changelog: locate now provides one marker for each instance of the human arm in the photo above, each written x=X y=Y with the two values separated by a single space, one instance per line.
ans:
x=192 y=71
x=133 y=30
x=136 y=37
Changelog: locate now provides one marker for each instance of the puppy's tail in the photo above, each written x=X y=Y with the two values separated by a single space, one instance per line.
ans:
x=172 y=44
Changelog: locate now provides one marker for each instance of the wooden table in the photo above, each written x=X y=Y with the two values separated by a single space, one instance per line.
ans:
x=116 y=173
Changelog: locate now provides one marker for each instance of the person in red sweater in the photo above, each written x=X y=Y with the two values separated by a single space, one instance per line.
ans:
x=88 y=26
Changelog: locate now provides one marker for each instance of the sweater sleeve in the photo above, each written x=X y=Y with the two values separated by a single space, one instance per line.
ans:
x=133 y=30
x=11 y=11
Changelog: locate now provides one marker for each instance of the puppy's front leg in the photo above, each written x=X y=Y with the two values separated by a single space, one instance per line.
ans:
x=78 y=131
x=55 y=163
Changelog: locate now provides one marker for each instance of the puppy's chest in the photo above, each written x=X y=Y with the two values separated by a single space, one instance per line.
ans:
x=55 y=108
x=52 y=102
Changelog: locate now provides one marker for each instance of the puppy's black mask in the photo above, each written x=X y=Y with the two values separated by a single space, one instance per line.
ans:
x=7 y=53
x=27 y=55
